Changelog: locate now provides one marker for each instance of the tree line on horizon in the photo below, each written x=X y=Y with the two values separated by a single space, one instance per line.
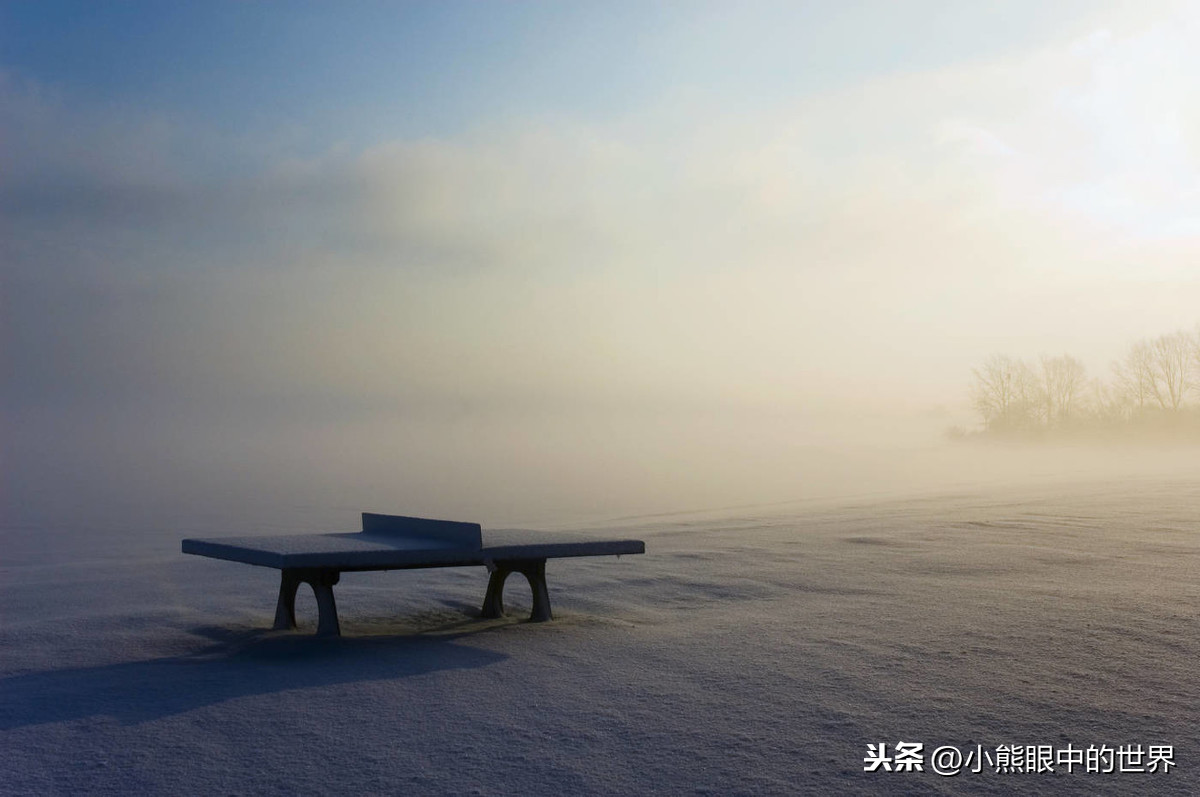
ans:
x=1153 y=390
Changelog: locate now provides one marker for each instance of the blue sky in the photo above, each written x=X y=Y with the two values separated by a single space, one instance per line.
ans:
x=364 y=72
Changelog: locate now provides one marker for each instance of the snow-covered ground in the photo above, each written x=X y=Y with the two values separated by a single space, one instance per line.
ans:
x=748 y=652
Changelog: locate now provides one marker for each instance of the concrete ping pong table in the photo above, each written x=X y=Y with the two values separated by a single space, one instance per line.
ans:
x=394 y=542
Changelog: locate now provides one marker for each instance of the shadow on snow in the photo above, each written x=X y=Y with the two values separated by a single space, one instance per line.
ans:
x=237 y=664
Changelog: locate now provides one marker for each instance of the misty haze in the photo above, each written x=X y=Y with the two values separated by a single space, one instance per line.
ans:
x=879 y=323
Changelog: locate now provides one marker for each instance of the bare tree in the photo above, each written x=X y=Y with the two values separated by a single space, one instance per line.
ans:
x=1062 y=382
x=1149 y=391
x=1004 y=393
x=1110 y=404
x=1135 y=376
x=1172 y=358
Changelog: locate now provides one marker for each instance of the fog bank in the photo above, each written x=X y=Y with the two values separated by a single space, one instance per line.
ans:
x=725 y=287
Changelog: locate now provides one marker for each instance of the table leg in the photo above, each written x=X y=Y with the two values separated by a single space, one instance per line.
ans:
x=534 y=571
x=321 y=581
x=285 y=607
